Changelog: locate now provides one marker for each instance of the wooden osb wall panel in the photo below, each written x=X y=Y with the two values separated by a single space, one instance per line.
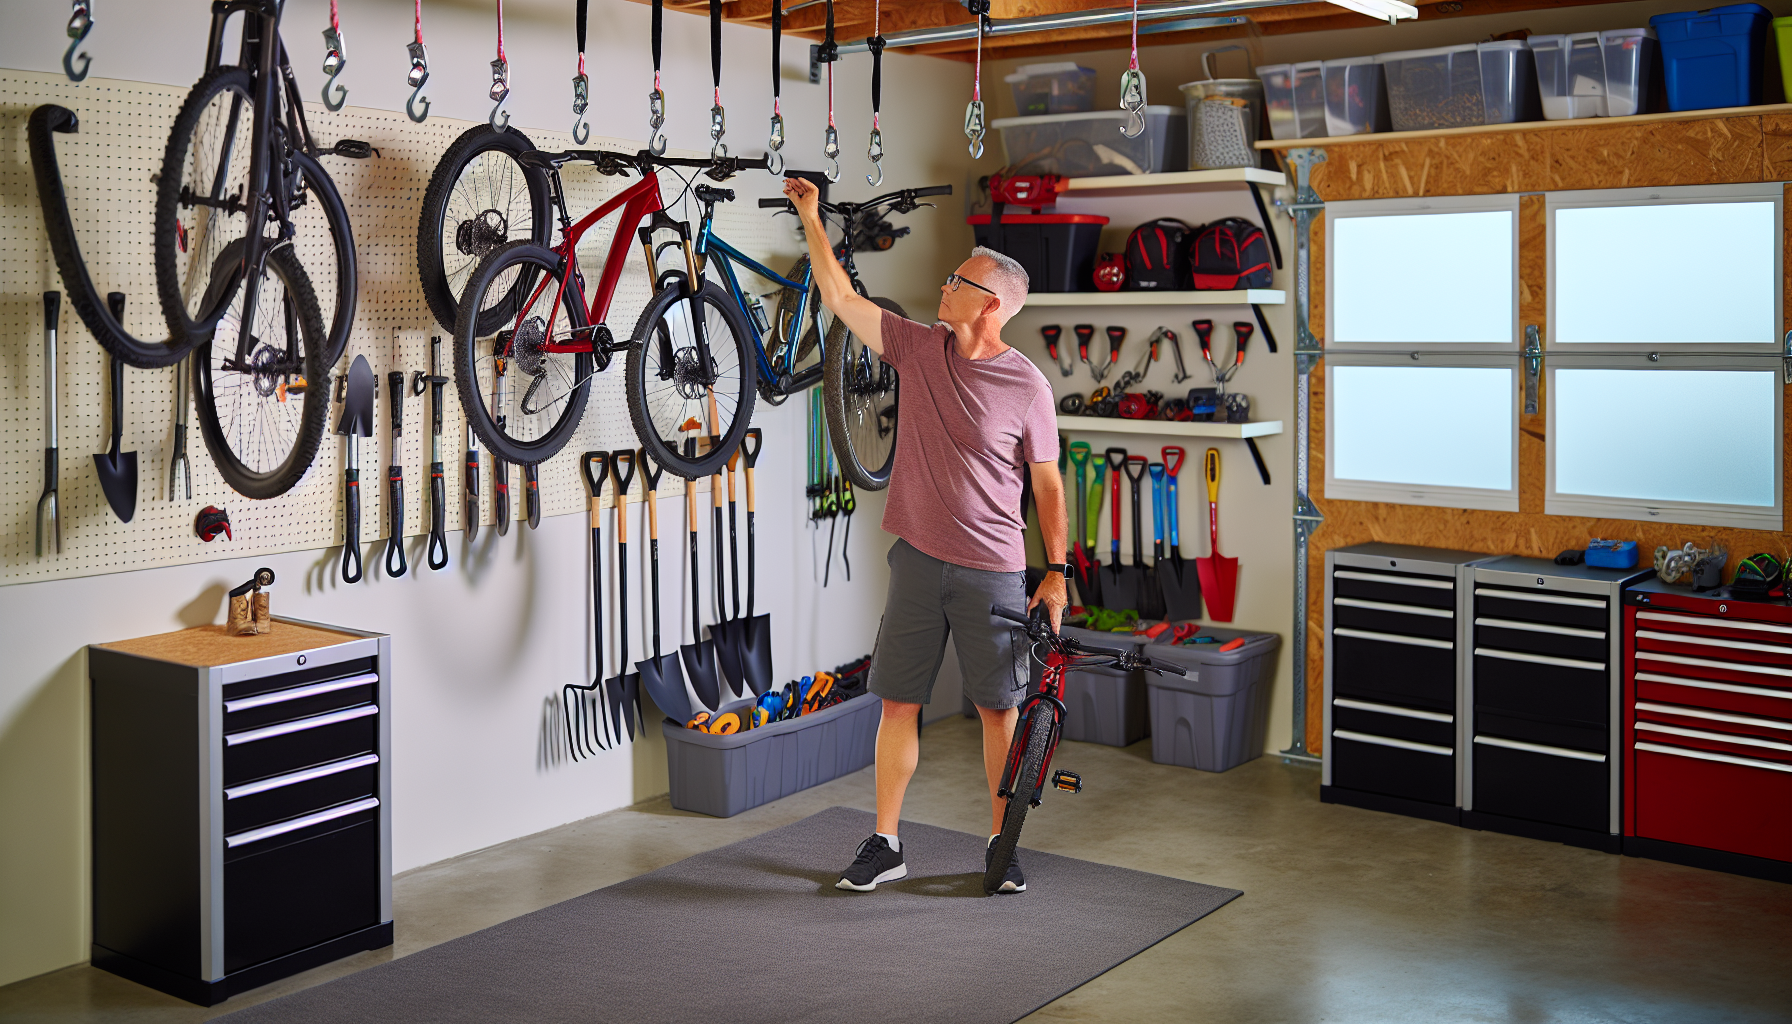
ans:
x=1374 y=170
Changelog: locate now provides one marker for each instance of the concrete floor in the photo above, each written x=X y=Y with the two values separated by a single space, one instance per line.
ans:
x=1348 y=915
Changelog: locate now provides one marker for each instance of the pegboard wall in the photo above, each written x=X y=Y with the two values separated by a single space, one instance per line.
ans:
x=106 y=168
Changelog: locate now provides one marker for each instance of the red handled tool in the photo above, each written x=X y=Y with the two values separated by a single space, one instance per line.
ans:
x=1219 y=574
x=1181 y=586
x=1116 y=338
x=1116 y=463
x=1053 y=334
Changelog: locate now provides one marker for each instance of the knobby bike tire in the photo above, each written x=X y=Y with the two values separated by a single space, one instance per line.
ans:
x=323 y=189
x=801 y=338
x=466 y=357
x=835 y=400
x=431 y=273
x=262 y=484
x=1039 y=734
x=712 y=295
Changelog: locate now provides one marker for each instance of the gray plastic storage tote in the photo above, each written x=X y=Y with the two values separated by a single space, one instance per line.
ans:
x=725 y=775
x=1103 y=705
x=1216 y=717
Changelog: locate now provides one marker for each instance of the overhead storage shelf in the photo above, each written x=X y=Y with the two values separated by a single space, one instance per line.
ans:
x=1166 y=428
x=1170 y=182
x=1256 y=296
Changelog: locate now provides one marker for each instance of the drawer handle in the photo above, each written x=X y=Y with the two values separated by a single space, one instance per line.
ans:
x=306 y=775
x=1538 y=748
x=1538 y=627
x=1393 y=638
x=1711 y=755
x=1714 y=623
x=1390 y=709
x=1718 y=737
x=301 y=724
x=1384 y=741
x=1715 y=716
x=293 y=825
x=1706 y=684
x=299 y=692
x=1714 y=641
x=1732 y=666
x=1401 y=581
x=1384 y=606
x=1538 y=659
x=1521 y=595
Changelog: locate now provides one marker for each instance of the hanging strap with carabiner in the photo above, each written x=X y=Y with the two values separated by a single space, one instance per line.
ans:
x=334 y=61
x=718 y=119
x=80 y=22
x=500 y=90
x=656 y=100
x=774 y=160
x=828 y=53
x=875 y=150
x=1132 y=86
x=419 y=73
x=581 y=83
x=973 y=111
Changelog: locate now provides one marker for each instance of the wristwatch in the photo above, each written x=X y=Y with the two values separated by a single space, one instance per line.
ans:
x=1061 y=568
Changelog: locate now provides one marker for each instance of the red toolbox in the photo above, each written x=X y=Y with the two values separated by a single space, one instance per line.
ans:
x=1707 y=722
x=1057 y=249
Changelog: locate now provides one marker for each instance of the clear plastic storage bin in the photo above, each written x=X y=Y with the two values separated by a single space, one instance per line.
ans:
x=1594 y=74
x=1630 y=58
x=1294 y=95
x=1063 y=87
x=1355 y=101
x=1090 y=145
x=1460 y=86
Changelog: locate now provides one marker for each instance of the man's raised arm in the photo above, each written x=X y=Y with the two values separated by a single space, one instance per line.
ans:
x=863 y=317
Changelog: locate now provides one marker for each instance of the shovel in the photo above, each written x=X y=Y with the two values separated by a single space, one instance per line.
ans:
x=1079 y=453
x=624 y=688
x=1119 y=586
x=356 y=423
x=585 y=726
x=118 y=470
x=1219 y=575
x=756 y=630
x=49 y=515
x=1088 y=566
x=699 y=654
x=727 y=630
x=660 y=675
x=1138 y=581
x=1180 y=584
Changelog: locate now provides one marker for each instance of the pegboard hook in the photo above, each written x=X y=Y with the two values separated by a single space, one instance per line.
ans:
x=500 y=92
x=334 y=63
x=419 y=75
x=80 y=22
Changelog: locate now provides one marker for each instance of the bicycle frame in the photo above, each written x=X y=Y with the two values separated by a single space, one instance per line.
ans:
x=1050 y=696
x=725 y=256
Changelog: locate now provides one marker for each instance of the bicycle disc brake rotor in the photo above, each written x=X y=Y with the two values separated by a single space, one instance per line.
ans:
x=266 y=368
x=689 y=378
x=482 y=233
x=527 y=356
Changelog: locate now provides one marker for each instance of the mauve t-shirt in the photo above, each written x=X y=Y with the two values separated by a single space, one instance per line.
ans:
x=965 y=431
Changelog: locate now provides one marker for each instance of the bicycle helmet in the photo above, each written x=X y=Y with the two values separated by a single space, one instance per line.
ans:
x=1759 y=574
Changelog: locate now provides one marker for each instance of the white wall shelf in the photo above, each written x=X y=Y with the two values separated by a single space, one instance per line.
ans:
x=1170 y=182
x=1244 y=297
x=1166 y=428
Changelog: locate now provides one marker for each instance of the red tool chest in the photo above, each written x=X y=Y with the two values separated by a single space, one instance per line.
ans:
x=1707 y=728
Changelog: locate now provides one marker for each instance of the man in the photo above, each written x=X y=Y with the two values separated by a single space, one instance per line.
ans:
x=974 y=415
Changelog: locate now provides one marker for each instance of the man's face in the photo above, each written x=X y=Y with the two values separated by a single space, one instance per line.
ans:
x=969 y=302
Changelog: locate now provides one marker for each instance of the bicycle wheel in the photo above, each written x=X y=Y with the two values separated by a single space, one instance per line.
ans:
x=523 y=402
x=672 y=396
x=202 y=197
x=263 y=424
x=1032 y=763
x=325 y=246
x=479 y=198
x=858 y=390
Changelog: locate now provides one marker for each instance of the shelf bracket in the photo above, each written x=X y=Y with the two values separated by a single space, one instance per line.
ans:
x=1307 y=352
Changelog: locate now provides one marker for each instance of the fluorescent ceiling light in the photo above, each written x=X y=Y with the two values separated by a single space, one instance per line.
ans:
x=1387 y=10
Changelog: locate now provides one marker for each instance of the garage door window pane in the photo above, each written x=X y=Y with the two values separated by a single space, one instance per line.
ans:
x=1431 y=426
x=1434 y=277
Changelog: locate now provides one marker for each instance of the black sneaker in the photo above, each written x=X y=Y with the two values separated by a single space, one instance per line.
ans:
x=1013 y=880
x=875 y=863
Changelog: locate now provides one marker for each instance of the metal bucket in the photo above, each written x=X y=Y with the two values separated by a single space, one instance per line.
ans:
x=1204 y=151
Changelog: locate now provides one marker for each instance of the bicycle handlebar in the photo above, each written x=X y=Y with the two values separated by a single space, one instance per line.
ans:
x=1039 y=629
x=898 y=198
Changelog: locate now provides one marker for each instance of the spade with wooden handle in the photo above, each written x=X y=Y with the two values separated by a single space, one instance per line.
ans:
x=1219 y=574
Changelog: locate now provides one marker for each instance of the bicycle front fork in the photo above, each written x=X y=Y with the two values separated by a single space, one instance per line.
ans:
x=1038 y=703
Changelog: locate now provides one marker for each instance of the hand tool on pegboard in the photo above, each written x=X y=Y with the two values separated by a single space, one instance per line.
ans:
x=179 y=469
x=1180 y=584
x=1219 y=574
x=757 y=631
x=727 y=631
x=586 y=725
x=117 y=470
x=623 y=690
x=469 y=488
x=356 y=423
x=438 y=486
x=395 y=560
x=699 y=655
x=661 y=675
x=49 y=515
x=500 y=468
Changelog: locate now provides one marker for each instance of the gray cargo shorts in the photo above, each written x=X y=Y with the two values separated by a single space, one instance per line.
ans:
x=931 y=600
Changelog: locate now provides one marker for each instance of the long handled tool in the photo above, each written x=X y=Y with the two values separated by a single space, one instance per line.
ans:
x=179 y=469
x=1111 y=592
x=532 y=496
x=395 y=561
x=1181 y=585
x=1219 y=574
x=728 y=632
x=1158 y=567
x=720 y=630
x=438 y=485
x=624 y=688
x=49 y=516
x=660 y=675
x=469 y=488
x=699 y=654
x=1092 y=527
x=756 y=630
x=356 y=423
x=1137 y=582
x=1078 y=453
x=585 y=725
x=500 y=468
x=118 y=470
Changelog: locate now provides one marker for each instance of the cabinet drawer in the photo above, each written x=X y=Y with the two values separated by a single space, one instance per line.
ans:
x=290 y=897
x=1558 y=609
x=1721 y=670
x=289 y=746
x=1437 y=728
x=1389 y=617
x=1716 y=801
x=1542 y=783
x=1551 y=732
x=1543 y=686
x=281 y=797
x=1741 y=698
x=1377 y=764
x=1428 y=591
x=1391 y=669
x=1548 y=638
x=295 y=702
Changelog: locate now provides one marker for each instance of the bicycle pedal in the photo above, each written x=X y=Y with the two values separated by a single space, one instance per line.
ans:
x=354 y=149
x=1069 y=782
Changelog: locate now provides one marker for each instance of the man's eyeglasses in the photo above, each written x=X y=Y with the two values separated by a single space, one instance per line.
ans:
x=954 y=280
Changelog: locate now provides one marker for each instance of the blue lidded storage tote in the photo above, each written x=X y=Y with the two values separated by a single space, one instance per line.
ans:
x=1712 y=58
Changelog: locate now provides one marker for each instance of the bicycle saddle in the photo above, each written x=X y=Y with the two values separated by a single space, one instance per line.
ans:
x=707 y=194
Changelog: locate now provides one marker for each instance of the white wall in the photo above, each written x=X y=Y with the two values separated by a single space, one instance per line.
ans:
x=480 y=649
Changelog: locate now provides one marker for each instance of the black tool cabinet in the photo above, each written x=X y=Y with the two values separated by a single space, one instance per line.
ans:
x=1394 y=631
x=241 y=805
x=1543 y=686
